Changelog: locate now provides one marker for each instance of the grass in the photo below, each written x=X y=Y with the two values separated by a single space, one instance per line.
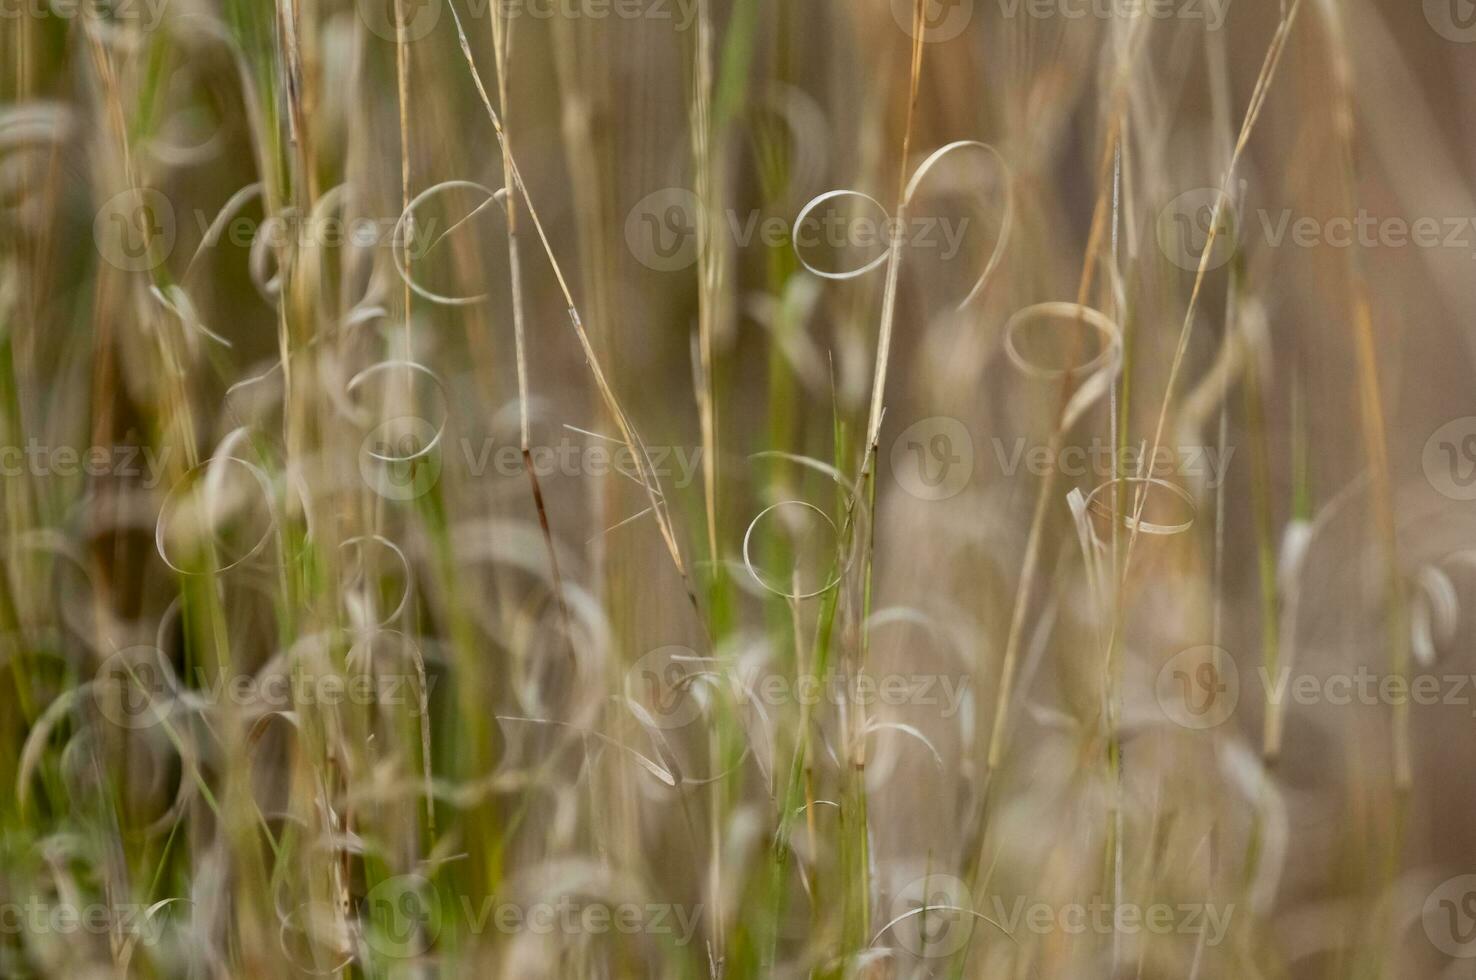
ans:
x=716 y=488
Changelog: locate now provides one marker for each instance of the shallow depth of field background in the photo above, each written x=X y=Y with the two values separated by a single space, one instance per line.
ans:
x=738 y=488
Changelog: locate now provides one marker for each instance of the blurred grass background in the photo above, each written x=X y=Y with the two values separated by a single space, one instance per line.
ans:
x=462 y=459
